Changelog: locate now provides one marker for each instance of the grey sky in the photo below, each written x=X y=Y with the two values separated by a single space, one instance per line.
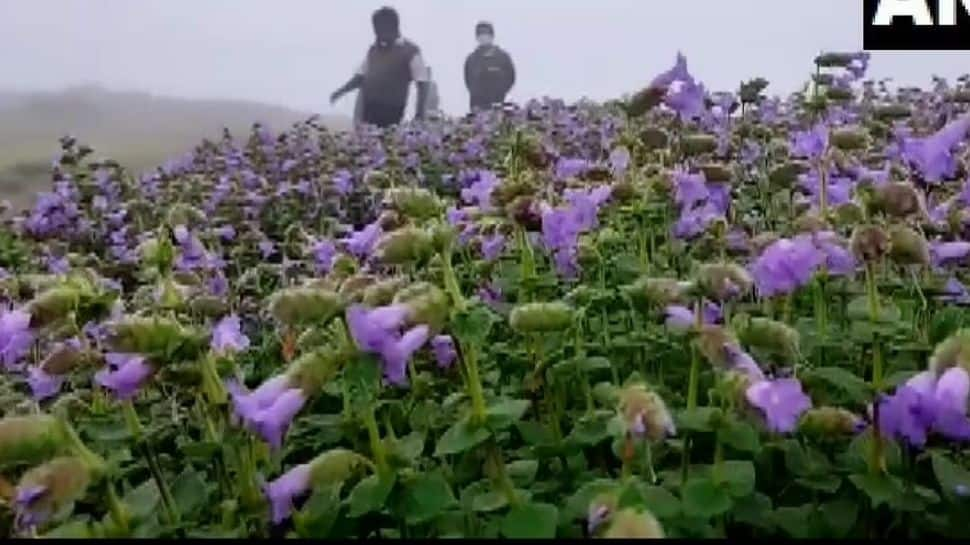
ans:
x=295 y=52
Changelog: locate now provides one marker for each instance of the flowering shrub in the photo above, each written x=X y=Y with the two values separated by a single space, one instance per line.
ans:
x=691 y=314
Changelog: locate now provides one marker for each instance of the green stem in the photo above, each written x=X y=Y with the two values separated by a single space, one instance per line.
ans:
x=528 y=264
x=498 y=462
x=876 y=462
x=692 y=386
x=451 y=280
x=651 y=473
x=135 y=428
x=470 y=358
x=376 y=445
x=117 y=509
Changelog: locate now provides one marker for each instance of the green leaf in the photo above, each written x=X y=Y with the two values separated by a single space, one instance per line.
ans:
x=473 y=325
x=856 y=389
x=740 y=477
x=362 y=377
x=369 y=495
x=594 y=363
x=754 y=510
x=840 y=516
x=506 y=412
x=200 y=450
x=739 y=435
x=661 y=502
x=143 y=500
x=954 y=480
x=796 y=521
x=190 y=492
x=74 y=529
x=702 y=419
x=426 y=497
x=460 y=437
x=578 y=503
x=318 y=515
x=591 y=429
x=829 y=483
x=858 y=310
x=522 y=472
x=704 y=499
x=531 y=521
x=488 y=501
x=534 y=433
x=880 y=488
x=409 y=447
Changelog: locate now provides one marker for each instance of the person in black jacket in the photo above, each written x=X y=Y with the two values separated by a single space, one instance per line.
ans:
x=385 y=76
x=489 y=71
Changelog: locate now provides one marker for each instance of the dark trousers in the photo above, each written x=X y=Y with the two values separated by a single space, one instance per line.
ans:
x=383 y=115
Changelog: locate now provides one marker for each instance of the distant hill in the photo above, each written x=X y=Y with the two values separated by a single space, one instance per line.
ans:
x=139 y=130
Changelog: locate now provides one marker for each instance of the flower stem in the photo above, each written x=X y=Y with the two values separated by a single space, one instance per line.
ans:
x=877 y=462
x=135 y=428
x=470 y=358
x=376 y=445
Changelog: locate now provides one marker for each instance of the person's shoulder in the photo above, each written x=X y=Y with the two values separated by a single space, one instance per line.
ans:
x=409 y=45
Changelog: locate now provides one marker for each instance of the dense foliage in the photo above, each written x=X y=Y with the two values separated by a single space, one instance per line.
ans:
x=682 y=314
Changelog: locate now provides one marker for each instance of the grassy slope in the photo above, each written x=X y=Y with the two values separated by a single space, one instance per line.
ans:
x=137 y=129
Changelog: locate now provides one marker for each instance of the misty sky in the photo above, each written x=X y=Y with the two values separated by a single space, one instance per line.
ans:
x=295 y=52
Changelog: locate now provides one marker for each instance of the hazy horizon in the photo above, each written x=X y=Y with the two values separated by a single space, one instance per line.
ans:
x=293 y=53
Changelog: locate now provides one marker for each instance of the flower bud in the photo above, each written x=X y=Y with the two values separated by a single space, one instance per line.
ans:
x=848 y=214
x=209 y=306
x=830 y=422
x=47 y=489
x=723 y=281
x=698 y=144
x=302 y=306
x=898 y=200
x=600 y=510
x=890 y=112
x=524 y=212
x=834 y=60
x=158 y=253
x=775 y=338
x=811 y=223
x=645 y=100
x=443 y=237
x=762 y=240
x=169 y=294
x=716 y=173
x=382 y=292
x=953 y=351
x=404 y=246
x=541 y=317
x=712 y=341
x=52 y=305
x=390 y=220
x=839 y=94
x=870 y=243
x=648 y=293
x=632 y=524
x=376 y=179
x=184 y=214
x=335 y=466
x=654 y=138
x=416 y=203
x=30 y=439
x=645 y=413
x=960 y=97
x=908 y=247
x=428 y=305
x=64 y=357
x=148 y=335
x=315 y=369
x=849 y=138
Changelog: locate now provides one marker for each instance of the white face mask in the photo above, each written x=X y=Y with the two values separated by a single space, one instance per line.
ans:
x=485 y=39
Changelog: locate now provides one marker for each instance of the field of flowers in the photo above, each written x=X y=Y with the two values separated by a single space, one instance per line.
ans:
x=684 y=314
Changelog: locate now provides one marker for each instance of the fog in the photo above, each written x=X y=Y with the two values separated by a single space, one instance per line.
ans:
x=295 y=52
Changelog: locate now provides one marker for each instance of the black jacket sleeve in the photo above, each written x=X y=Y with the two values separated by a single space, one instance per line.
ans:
x=510 y=66
x=469 y=68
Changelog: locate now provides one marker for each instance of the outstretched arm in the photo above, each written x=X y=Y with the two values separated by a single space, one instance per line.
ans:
x=421 y=77
x=354 y=83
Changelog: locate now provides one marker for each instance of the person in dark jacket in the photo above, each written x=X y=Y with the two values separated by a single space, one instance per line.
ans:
x=489 y=71
x=384 y=78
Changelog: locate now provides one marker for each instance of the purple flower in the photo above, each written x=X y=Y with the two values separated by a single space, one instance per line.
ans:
x=839 y=261
x=677 y=73
x=218 y=285
x=686 y=97
x=285 y=489
x=682 y=318
x=571 y=167
x=810 y=144
x=585 y=205
x=444 y=350
x=781 y=402
x=945 y=253
x=324 y=254
x=690 y=189
x=227 y=336
x=27 y=513
x=267 y=249
x=269 y=409
x=361 y=243
x=786 y=265
x=694 y=222
x=910 y=413
x=456 y=216
x=480 y=192
x=560 y=229
x=956 y=292
x=227 y=233
x=493 y=246
x=343 y=181
x=124 y=375
x=43 y=385
x=491 y=295
x=952 y=390
x=742 y=362
x=933 y=156
x=15 y=337
x=377 y=331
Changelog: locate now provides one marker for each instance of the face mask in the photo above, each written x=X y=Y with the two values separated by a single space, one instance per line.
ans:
x=485 y=39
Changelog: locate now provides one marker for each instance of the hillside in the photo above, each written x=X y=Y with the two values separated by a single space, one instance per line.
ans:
x=139 y=130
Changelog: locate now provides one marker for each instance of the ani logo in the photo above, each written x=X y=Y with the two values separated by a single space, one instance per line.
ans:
x=917 y=25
